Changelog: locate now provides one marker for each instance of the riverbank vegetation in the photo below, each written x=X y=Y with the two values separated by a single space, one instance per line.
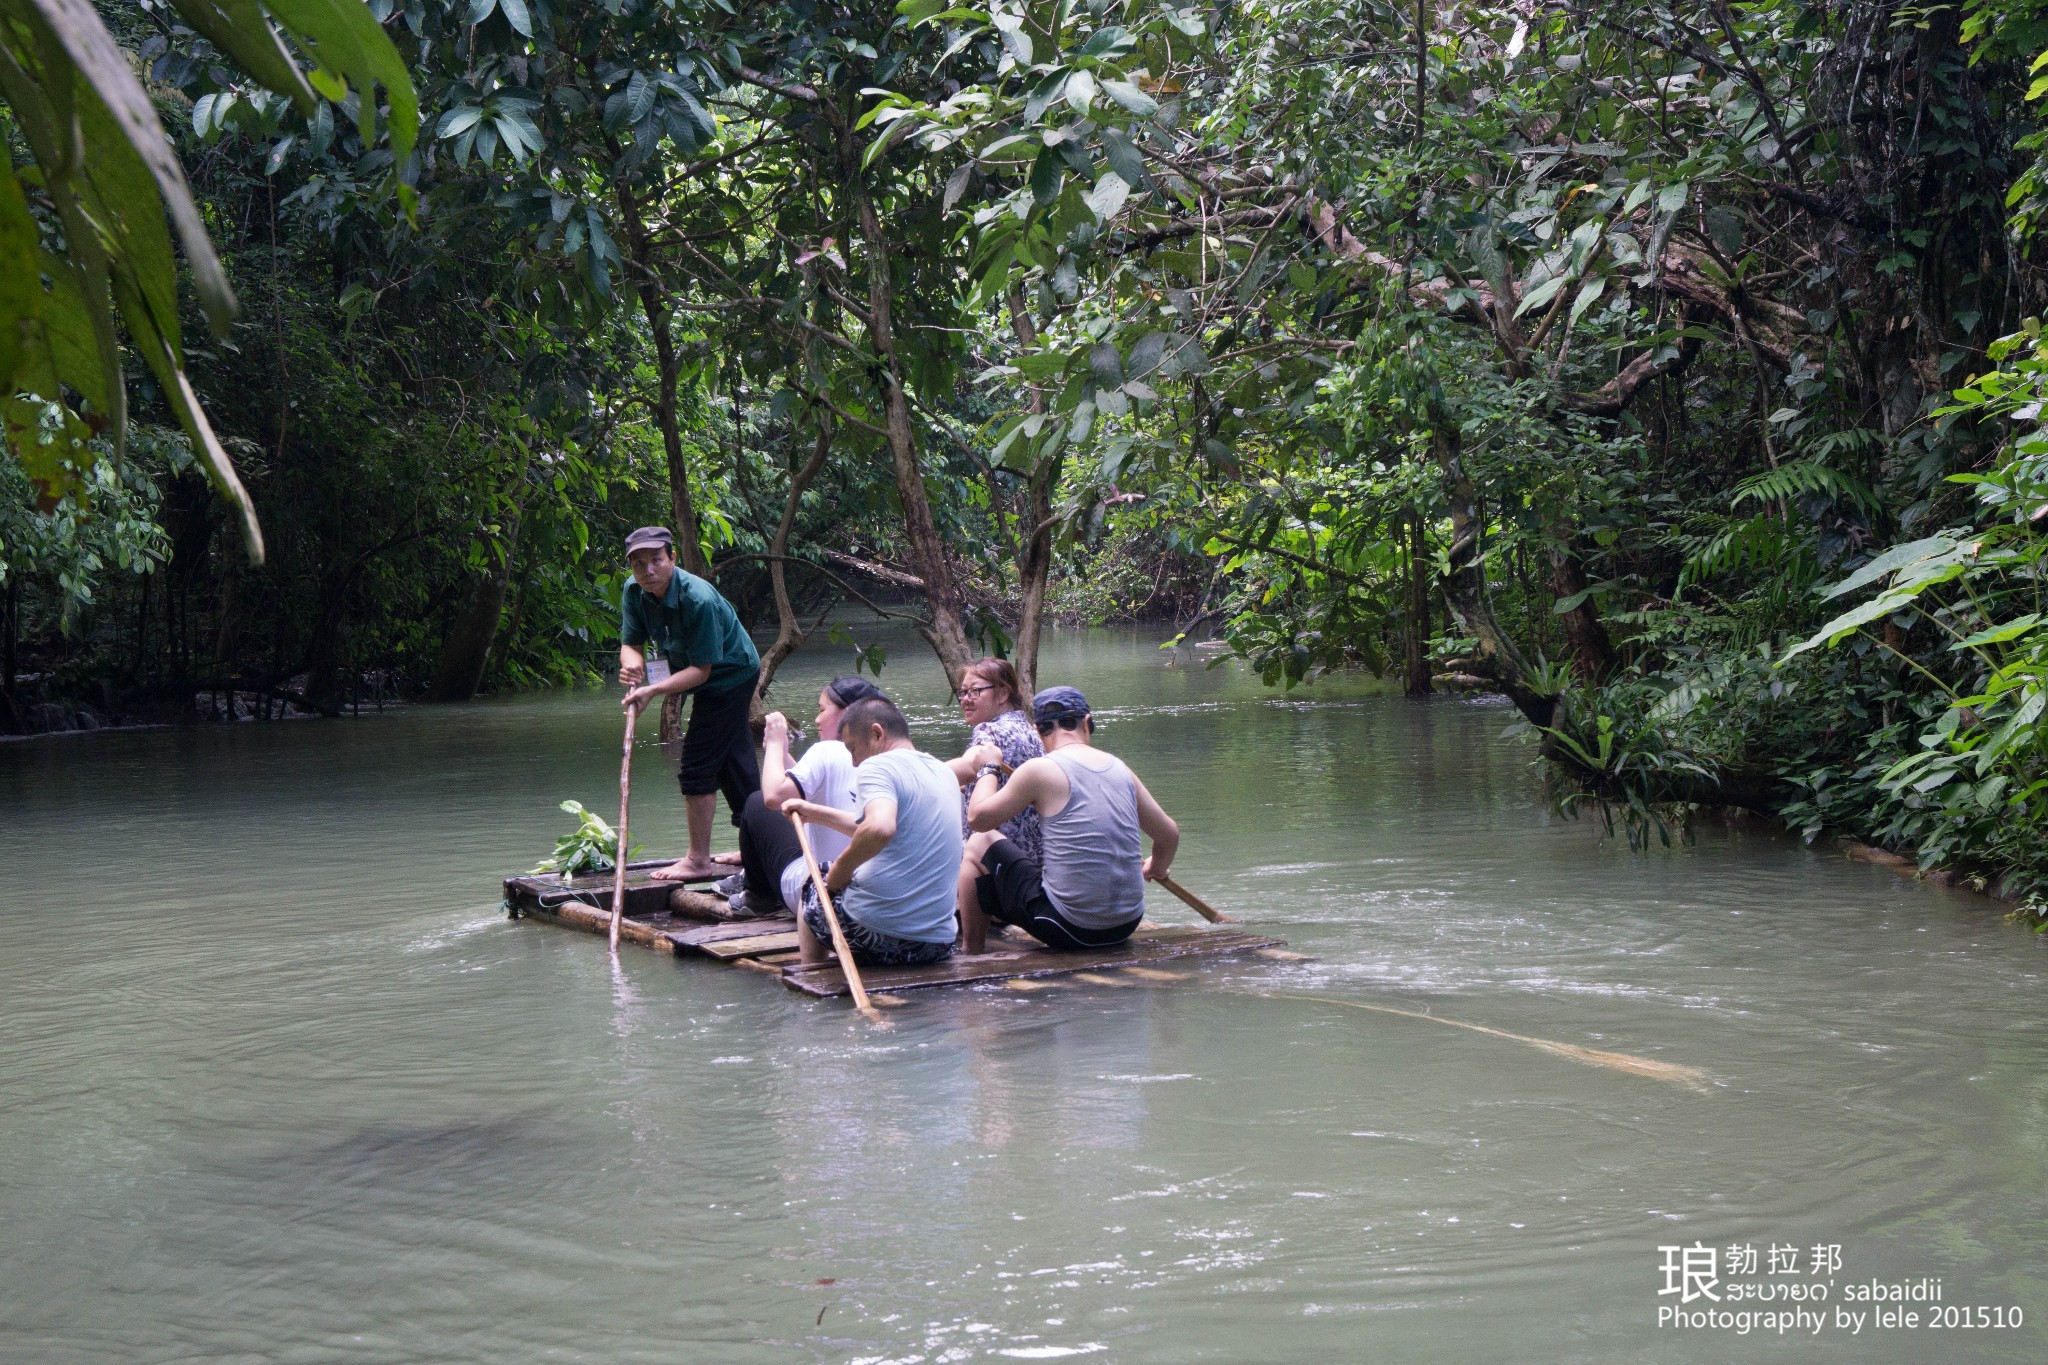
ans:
x=1673 y=368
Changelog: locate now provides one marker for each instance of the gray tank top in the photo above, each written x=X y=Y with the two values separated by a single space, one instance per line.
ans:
x=1093 y=870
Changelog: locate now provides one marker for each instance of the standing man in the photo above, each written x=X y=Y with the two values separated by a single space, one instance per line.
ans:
x=703 y=649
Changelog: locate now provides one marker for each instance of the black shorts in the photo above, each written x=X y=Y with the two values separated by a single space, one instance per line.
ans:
x=1012 y=892
x=718 y=748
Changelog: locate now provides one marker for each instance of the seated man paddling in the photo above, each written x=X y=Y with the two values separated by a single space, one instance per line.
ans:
x=893 y=886
x=773 y=875
x=1089 y=892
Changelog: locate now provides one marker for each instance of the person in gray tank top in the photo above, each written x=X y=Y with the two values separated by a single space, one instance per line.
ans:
x=1089 y=889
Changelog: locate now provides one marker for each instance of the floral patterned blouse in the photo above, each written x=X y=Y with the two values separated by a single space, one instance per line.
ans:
x=1017 y=737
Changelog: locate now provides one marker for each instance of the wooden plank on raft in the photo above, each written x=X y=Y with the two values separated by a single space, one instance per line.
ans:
x=692 y=939
x=759 y=945
x=1016 y=962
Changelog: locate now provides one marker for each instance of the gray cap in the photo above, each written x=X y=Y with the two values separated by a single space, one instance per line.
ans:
x=647 y=537
x=1057 y=704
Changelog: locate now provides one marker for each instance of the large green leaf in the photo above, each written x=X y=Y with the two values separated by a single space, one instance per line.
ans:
x=76 y=27
x=72 y=345
x=345 y=38
x=1109 y=195
x=1884 y=604
x=241 y=30
x=1893 y=559
x=21 y=293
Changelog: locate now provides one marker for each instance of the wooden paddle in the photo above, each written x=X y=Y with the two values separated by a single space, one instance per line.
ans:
x=846 y=962
x=1202 y=907
x=619 y=863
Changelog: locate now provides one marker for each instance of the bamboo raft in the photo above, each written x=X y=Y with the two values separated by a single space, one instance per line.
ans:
x=671 y=917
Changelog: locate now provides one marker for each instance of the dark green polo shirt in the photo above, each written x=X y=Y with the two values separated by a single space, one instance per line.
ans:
x=693 y=627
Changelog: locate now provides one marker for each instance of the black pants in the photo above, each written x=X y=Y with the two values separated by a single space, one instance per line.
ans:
x=1012 y=892
x=767 y=847
x=718 y=748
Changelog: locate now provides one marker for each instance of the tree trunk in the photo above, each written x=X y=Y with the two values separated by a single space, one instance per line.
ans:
x=789 y=631
x=1415 y=641
x=1034 y=577
x=1033 y=532
x=654 y=304
x=467 y=650
x=1592 y=651
x=946 y=632
x=227 y=639
x=689 y=543
x=1465 y=592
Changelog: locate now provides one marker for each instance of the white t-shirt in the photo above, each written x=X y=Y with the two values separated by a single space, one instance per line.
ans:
x=825 y=775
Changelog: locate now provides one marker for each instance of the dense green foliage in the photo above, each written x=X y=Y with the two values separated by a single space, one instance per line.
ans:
x=1642 y=360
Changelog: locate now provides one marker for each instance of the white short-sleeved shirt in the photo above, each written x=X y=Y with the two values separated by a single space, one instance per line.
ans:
x=824 y=775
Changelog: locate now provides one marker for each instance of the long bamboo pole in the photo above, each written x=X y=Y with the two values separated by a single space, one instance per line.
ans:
x=625 y=796
x=846 y=962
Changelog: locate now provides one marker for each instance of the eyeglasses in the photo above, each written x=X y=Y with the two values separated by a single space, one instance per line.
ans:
x=972 y=690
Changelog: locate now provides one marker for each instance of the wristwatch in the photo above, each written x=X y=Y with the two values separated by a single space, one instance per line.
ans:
x=988 y=770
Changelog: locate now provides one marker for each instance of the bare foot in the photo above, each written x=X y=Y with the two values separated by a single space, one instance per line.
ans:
x=686 y=870
x=731 y=859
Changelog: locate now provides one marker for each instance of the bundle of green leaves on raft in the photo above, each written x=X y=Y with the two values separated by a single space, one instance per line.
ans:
x=585 y=849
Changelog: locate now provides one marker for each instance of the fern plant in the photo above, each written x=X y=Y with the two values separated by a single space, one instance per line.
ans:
x=1761 y=542
x=1803 y=478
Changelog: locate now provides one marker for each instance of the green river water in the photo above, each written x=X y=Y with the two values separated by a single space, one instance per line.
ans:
x=281 y=1083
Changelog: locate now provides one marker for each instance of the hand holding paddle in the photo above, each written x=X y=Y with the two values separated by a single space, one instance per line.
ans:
x=846 y=962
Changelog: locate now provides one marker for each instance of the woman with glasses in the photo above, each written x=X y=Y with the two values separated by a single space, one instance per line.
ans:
x=992 y=701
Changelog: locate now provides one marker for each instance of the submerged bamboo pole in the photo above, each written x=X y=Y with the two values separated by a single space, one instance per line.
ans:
x=1691 y=1077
